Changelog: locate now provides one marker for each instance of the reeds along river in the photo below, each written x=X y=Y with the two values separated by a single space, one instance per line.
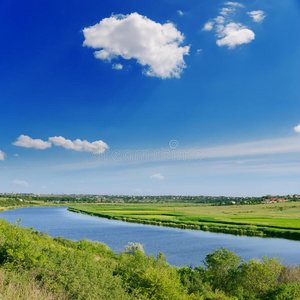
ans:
x=181 y=246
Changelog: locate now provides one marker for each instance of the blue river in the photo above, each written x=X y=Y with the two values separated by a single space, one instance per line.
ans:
x=181 y=246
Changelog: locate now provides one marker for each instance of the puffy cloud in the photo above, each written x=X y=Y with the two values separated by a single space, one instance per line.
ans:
x=28 y=142
x=117 y=66
x=225 y=11
x=155 y=46
x=2 y=155
x=234 y=34
x=229 y=33
x=78 y=145
x=257 y=15
x=20 y=182
x=297 y=128
x=208 y=26
x=219 y=20
x=236 y=4
x=180 y=12
x=157 y=176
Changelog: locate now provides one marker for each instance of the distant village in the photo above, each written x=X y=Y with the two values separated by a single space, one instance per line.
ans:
x=86 y=198
x=275 y=200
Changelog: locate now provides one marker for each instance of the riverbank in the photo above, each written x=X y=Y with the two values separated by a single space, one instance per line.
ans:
x=280 y=221
x=36 y=266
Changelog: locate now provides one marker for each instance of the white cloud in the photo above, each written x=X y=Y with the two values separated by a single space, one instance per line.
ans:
x=28 y=142
x=117 y=66
x=236 y=4
x=225 y=11
x=297 y=128
x=16 y=155
x=155 y=46
x=234 y=34
x=220 y=20
x=208 y=26
x=157 y=176
x=257 y=15
x=78 y=145
x=264 y=147
x=20 y=182
x=229 y=33
x=2 y=155
x=180 y=12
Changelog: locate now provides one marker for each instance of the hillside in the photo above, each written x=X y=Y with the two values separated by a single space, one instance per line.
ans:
x=36 y=266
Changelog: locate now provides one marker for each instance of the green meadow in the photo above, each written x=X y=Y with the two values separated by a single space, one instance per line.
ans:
x=272 y=220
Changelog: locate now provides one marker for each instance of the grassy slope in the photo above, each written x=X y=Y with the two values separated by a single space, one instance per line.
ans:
x=35 y=266
x=278 y=219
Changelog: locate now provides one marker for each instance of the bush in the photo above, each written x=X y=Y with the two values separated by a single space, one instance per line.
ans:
x=132 y=248
x=147 y=277
x=257 y=278
x=221 y=269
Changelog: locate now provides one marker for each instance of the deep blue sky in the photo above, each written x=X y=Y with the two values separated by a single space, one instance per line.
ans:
x=231 y=110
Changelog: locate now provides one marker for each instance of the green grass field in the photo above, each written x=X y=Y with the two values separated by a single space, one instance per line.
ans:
x=275 y=219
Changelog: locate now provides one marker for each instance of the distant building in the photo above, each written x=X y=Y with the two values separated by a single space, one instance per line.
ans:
x=283 y=200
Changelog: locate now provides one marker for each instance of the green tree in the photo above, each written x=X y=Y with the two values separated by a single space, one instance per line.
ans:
x=221 y=268
x=257 y=278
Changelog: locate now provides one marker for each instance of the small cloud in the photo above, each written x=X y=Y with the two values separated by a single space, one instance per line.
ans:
x=220 y=20
x=117 y=66
x=225 y=11
x=16 y=155
x=28 y=142
x=43 y=187
x=180 y=12
x=208 y=26
x=78 y=145
x=234 y=34
x=20 y=183
x=155 y=46
x=199 y=51
x=2 y=155
x=257 y=15
x=229 y=33
x=297 y=128
x=157 y=176
x=236 y=4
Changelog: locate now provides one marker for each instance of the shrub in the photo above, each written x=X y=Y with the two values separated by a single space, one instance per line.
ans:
x=147 y=277
x=221 y=268
x=258 y=278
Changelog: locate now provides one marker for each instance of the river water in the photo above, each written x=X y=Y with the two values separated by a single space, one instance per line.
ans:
x=181 y=246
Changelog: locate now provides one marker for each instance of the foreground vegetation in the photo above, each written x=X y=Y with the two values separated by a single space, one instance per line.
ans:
x=269 y=220
x=36 y=266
